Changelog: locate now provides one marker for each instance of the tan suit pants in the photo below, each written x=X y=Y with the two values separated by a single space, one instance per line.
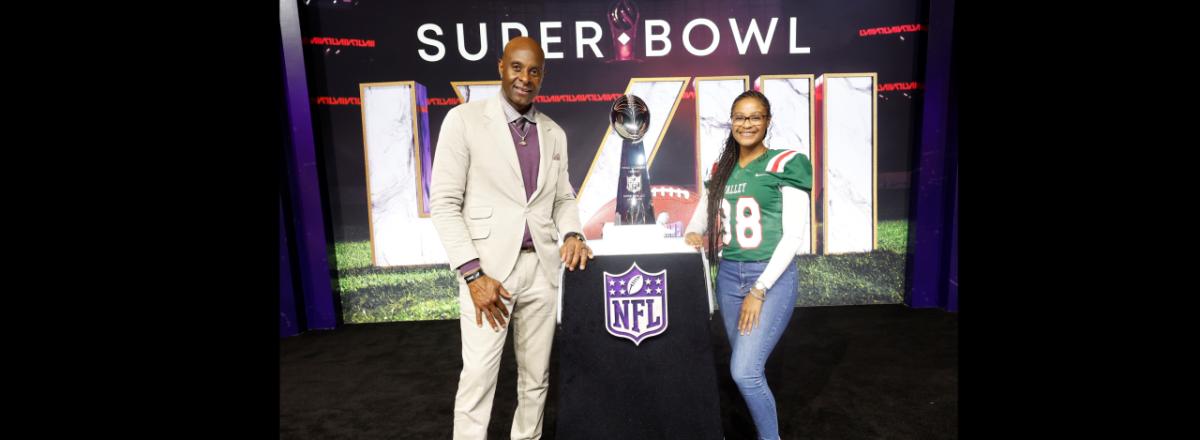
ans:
x=533 y=309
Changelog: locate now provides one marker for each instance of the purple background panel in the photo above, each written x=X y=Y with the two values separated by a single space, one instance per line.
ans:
x=304 y=179
x=288 y=324
x=425 y=154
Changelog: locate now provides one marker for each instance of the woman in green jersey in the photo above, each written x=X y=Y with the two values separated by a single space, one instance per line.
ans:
x=759 y=198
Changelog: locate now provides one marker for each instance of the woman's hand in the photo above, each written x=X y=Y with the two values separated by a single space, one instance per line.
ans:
x=750 y=308
x=694 y=240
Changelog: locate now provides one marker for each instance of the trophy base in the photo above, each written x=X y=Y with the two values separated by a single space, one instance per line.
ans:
x=629 y=235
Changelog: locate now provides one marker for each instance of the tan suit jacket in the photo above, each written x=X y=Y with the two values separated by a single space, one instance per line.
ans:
x=478 y=196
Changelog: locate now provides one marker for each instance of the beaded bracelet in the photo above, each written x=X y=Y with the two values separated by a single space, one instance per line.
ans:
x=756 y=296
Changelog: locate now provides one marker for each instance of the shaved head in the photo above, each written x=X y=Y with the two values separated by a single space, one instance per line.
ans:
x=524 y=43
x=521 y=72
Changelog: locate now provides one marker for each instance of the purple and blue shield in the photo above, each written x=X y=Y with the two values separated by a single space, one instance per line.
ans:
x=635 y=304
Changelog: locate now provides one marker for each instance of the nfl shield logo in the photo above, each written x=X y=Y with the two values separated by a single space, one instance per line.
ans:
x=635 y=304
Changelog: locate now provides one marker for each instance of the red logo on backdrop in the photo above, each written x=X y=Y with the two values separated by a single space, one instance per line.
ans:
x=587 y=97
x=894 y=29
x=899 y=86
x=329 y=100
x=341 y=42
x=578 y=98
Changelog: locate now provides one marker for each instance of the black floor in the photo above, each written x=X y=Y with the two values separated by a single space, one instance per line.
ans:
x=849 y=372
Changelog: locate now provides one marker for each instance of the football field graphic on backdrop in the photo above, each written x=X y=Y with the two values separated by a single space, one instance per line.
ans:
x=839 y=110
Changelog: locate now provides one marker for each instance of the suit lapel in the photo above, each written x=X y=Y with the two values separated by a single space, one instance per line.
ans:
x=546 y=146
x=498 y=128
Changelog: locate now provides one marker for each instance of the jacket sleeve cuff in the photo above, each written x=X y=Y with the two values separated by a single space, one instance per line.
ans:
x=469 y=266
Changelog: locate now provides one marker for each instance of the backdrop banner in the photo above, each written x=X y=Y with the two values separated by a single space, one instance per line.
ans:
x=842 y=78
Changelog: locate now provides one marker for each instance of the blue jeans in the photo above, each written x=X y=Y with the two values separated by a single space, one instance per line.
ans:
x=750 y=352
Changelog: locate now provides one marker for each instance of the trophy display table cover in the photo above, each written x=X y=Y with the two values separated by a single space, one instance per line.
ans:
x=636 y=358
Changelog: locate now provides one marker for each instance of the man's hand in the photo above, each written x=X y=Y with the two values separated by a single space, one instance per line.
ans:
x=574 y=252
x=694 y=240
x=487 y=303
x=751 y=306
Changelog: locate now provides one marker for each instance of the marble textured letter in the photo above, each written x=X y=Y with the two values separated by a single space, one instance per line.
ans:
x=850 y=163
x=791 y=128
x=660 y=97
x=477 y=92
x=399 y=235
x=714 y=98
x=791 y=124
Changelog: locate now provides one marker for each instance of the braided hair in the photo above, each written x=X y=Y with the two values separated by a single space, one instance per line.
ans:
x=725 y=165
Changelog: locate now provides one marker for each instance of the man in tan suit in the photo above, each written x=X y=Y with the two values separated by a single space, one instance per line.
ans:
x=500 y=200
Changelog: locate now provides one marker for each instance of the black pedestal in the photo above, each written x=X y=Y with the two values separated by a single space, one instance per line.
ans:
x=663 y=388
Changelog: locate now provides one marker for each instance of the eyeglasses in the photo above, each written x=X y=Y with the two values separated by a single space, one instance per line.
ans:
x=754 y=119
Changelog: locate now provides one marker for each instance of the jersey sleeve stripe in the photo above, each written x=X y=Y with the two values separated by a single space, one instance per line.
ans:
x=783 y=162
x=776 y=164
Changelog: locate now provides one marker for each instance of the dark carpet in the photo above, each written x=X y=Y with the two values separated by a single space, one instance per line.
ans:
x=848 y=372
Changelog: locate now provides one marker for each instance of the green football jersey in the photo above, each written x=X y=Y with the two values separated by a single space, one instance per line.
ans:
x=752 y=212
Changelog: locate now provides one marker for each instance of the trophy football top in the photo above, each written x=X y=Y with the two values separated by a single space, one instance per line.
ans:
x=630 y=117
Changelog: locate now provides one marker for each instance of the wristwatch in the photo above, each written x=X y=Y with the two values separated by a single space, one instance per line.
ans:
x=761 y=287
x=577 y=235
